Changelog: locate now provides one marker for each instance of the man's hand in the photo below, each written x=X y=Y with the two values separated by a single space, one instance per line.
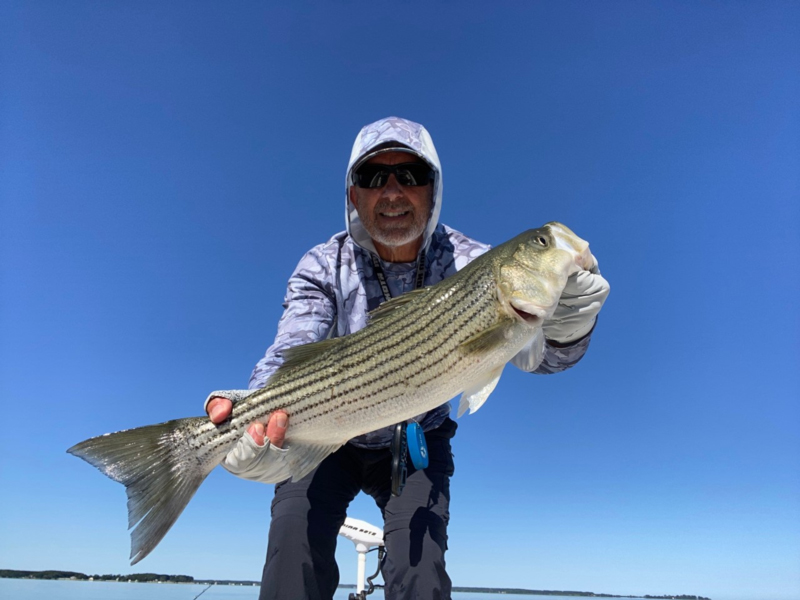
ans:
x=578 y=306
x=219 y=409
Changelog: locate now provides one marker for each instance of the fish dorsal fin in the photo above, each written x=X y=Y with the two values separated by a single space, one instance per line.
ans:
x=486 y=340
x=474 y=397
x=299 y=355
x=390 y=306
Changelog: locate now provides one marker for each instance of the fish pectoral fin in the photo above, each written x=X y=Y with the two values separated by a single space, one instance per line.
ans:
x=487 y=340
x=390 y=306
x=474 y=397
x=303 y=458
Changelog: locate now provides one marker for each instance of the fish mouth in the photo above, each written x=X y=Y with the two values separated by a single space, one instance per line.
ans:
x=565 y=239
x=532 y=314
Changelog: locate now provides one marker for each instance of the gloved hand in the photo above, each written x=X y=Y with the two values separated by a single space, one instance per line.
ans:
x=255 y=462
x=258 y=452
x=581 y=300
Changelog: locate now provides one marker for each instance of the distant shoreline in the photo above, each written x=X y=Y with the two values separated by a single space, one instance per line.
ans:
x=161 y=578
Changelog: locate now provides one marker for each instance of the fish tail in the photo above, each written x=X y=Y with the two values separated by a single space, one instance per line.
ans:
x=160 y=470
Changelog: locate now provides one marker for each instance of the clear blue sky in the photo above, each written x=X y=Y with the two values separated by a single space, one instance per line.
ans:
x=163 y=166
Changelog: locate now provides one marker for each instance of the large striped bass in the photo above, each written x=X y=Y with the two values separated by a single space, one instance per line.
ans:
x=419 y=350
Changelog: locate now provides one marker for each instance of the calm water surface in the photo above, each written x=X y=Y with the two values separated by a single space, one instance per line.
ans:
x=28 y=589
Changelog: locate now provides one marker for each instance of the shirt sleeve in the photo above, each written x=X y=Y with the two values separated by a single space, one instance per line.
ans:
x=309 y=313
x=560 y=357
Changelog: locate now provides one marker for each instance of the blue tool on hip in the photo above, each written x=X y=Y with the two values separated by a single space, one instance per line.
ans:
x=417 y=448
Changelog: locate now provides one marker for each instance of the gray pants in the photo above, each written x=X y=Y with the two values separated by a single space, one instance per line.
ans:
x=307 y=515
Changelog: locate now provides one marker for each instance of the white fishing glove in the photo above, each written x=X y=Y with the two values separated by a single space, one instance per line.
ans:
x=577 y=309
x=247 y=459
x=250 y=461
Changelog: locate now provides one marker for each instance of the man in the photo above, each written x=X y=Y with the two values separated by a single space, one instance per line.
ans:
x=393 y=243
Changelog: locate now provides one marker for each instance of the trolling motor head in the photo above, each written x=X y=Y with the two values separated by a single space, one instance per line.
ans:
x=366 y=537
x=361 y=533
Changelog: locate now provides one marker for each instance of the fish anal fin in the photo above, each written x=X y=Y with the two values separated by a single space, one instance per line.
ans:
x=390 y=306
x=474 y=397
x=304 y=458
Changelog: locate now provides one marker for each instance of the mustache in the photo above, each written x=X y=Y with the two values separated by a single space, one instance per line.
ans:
x=394 y=207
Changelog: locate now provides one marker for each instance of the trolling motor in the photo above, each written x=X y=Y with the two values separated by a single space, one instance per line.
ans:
x=367 y=538
x=408 y=440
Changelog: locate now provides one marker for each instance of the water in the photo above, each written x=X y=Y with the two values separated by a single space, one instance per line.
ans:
x=32 y=589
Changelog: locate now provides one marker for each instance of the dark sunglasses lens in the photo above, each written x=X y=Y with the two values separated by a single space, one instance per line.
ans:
x=372 y=176
x=412 y=174
x=376 y=176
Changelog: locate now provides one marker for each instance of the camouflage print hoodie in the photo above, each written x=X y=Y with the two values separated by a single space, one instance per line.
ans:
x=334 y=285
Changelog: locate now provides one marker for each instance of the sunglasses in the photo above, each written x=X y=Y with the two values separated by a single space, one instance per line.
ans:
x=376 y=176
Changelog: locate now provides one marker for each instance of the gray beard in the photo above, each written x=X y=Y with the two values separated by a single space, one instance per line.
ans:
x=392 y=237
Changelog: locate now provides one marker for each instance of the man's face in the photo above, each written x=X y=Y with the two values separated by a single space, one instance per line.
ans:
x=394 y=215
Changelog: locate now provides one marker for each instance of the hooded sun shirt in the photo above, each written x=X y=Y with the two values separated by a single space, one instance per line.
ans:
x=334 y=286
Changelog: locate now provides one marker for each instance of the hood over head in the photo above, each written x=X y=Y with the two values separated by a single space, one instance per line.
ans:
x=392 y=133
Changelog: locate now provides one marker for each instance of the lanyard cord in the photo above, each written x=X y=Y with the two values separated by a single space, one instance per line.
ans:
x=400 y=441
x=376 y=264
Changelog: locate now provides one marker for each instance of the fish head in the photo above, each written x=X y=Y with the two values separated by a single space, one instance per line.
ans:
x=533 y=268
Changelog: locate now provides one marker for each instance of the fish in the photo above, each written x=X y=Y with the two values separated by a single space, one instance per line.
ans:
x=417 y=351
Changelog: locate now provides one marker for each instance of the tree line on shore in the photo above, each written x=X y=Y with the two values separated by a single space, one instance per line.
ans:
x=138 y=577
